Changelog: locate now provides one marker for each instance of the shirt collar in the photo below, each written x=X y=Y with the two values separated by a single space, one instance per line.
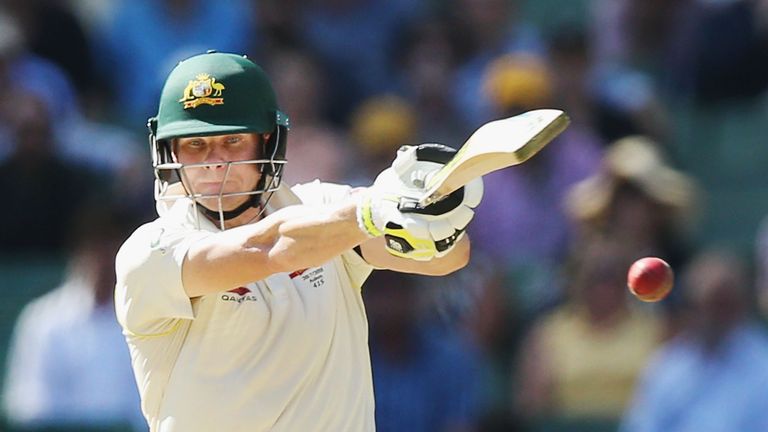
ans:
x=184 y=212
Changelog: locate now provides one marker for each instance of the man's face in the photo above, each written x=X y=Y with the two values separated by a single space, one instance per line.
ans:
x=220 y=177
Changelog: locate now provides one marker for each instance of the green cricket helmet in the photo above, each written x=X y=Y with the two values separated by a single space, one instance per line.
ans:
x=216 y=94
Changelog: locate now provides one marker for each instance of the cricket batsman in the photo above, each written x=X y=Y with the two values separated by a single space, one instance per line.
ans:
x=241 y=303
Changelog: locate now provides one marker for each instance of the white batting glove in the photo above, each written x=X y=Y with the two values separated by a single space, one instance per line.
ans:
x=447 y=218
x=407 y=236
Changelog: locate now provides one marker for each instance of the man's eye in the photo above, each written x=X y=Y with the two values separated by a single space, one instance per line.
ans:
x=195 y=144
x=233 y=140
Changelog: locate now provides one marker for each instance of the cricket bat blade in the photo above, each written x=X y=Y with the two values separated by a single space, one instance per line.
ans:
x=495 y=145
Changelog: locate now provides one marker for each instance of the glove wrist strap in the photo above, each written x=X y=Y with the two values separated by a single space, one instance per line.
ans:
x=367 y=216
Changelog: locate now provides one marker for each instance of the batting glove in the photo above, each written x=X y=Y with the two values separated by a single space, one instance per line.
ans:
x=448 y=218
x=407 y=236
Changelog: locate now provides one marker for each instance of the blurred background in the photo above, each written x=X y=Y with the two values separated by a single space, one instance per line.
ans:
x=666 y=155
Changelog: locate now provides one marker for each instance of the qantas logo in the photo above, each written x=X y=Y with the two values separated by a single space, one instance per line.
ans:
x=238 y=295
x=240 y=291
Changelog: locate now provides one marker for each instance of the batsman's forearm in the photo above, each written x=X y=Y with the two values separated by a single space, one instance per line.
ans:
x=376 y=255
x=292 y=238
x=321 y=233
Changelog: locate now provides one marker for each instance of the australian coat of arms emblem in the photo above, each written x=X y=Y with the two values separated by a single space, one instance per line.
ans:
x=202 y=90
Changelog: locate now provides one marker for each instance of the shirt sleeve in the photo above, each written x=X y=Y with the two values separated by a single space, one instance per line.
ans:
x=318 y=193
x=356 y=267
x=149 y=296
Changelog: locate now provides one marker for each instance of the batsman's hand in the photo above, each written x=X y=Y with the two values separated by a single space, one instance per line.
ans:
x=448 y=218
x=406 y=235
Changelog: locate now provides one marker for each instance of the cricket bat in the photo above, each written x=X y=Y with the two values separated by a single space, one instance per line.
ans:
x=493 y=146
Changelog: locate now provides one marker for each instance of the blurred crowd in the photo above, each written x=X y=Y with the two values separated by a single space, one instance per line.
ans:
x=663 y=158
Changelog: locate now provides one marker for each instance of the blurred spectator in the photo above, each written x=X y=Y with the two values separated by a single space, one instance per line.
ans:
x=281 y=25
x=490 y=29
x=378 y=127
x=144 y=39
x=68 y=363
x=424 y=379
x=316 y=148
x=54 y=32
x=571 y=60
x=637 y=33
x=581 y=360
x=761 y=264
x=27 y=72
x=8 y=33
x=701 y=51
x=634 y=47
x=356 y=41
x=93 y=13
x=575 y=87
x=631 y=98
x=429 y=58
x=475 y=302
x=524 y=227
x=638 y=199
x=712 y=377
x=721 y=55
x=100 y=146
x=514 y=83
x=42 y=189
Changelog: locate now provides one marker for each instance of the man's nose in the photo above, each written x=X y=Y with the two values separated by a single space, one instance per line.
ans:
x=216 y=158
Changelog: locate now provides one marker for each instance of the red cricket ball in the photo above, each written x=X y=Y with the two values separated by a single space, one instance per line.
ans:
x=650 y=279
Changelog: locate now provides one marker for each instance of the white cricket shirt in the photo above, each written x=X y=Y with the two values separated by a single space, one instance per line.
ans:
x=288 y=353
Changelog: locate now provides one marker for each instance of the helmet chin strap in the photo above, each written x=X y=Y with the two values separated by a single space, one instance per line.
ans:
x=254 y=201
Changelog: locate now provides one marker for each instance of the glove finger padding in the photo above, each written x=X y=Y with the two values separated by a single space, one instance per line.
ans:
x=445 y=245
x=473 y=192
x=411 y=240
x=441 y=229
x=461 y=217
